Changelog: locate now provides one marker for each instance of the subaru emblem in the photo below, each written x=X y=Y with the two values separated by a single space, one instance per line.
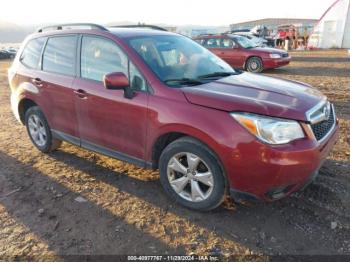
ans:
x=327 y=110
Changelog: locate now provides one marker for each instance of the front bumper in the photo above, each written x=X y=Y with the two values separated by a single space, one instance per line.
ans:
x=276 y=172
x=274 y=63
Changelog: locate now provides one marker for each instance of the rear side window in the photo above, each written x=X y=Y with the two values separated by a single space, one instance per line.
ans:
x=31 y=53
x=59 y=55
x=212 y=43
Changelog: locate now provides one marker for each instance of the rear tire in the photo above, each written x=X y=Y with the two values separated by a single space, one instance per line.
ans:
x=191 y=174
x=254 y=65
x=39 y=131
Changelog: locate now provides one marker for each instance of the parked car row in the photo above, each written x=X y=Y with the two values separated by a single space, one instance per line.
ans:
x=241 y=53
x=9 y=53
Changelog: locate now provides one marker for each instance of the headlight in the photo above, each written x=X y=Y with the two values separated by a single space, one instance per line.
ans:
x=275 y=56
x=270 y=130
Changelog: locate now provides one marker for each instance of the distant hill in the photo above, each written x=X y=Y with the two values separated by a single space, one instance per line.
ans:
x=12 y=33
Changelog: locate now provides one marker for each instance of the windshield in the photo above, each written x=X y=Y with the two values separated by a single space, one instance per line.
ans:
x=179 y=61
x=245 y=42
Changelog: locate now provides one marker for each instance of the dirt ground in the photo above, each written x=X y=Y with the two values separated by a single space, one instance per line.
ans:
x=77 y=202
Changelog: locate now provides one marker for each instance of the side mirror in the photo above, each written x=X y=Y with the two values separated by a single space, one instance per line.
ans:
x=118 y=81
x=115 y=81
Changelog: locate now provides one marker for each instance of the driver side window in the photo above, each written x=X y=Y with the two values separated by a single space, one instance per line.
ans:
x=227 y=43
x=100 y=56
x=213 y=43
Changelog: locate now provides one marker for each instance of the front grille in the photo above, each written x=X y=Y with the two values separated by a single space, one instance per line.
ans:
x=285 y=55
x=321 y=129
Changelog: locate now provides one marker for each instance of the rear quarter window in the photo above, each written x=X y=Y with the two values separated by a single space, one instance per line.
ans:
x=59 y=55
x=30 y=56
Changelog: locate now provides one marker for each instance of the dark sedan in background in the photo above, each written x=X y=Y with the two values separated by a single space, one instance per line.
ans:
x=8 y=53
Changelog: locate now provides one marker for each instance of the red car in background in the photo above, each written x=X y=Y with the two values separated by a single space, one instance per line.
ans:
x=241 y=53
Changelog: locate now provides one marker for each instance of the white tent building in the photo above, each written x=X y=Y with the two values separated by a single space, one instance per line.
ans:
x=333 y=29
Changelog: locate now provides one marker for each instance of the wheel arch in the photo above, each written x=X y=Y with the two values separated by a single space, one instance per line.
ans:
x=172 y=132
x=169 y=136
x=161 y=142
x=251 y=56
x=23 y=106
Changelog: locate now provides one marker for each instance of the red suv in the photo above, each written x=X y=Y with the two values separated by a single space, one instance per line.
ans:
x=160 y=100
x=242 y=53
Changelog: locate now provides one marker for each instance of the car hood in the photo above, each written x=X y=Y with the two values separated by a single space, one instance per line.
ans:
x=269 y=50
x=258 y=94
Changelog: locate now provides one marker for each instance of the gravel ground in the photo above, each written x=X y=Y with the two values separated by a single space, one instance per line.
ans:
x=77 y=202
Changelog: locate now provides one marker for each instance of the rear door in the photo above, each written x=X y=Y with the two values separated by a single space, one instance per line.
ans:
x=56 y=79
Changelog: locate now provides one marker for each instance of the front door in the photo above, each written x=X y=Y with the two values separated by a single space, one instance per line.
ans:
x=226 y=49
x=107 y=120
x=230 y=53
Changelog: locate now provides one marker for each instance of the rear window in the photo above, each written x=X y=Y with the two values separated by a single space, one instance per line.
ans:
x=32 y=51
x=59 y=55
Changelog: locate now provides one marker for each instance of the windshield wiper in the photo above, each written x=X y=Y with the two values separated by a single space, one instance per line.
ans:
x=217 y=74
x=183 y=81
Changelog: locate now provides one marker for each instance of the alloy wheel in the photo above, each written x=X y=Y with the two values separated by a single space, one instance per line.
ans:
x=37 y=130
x=190 y=177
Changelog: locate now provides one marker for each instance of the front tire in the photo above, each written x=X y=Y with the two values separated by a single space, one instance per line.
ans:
x=39 y=131
x=191 y=174
x=254 y=65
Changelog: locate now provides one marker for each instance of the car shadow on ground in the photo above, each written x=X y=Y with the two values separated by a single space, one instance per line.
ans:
x=310 y=71
x=63 y=223
x=315 y=59
x=270 y=228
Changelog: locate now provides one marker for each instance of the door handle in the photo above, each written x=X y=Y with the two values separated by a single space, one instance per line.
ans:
x=37 y=81
x=81 y=93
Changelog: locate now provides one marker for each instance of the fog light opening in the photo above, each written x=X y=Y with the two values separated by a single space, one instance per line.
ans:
x=280 y=192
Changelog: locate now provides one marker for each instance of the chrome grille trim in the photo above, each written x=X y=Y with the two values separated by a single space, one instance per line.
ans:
x=331 y=129
x=316 y=114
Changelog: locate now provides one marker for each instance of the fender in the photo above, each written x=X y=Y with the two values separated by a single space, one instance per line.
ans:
x=24 y=91
x=186 y=130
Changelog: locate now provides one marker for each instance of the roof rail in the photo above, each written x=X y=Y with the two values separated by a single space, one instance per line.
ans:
x=154 y=27
x=69 y=26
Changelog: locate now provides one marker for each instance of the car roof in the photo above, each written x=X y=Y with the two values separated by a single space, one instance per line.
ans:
x=211 y=36
x=120 y=32
x=218 y=36
x=136 y=32
x=242 y=33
